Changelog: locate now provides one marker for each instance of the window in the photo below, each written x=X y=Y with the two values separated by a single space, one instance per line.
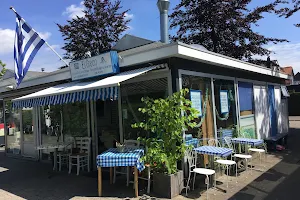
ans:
x=131 y=102
x=12 y=126
x=246 y=102
x=225 y=105
x=205 y=127
x=27 y=124
x=246 y=98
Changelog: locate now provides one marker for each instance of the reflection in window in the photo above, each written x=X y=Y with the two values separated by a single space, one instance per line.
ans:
x=131 y=102
x=27 y=124
x=225 y=106
x=205 y=127
x=13 y=129
x=60 y=123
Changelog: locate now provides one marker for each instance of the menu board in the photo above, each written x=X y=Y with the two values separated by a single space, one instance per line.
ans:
x=224 y=101
x=196 y=99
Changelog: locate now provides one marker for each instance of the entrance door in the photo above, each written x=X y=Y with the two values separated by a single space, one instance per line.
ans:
x=262 y=115
x=272 y=105
x=29 y=124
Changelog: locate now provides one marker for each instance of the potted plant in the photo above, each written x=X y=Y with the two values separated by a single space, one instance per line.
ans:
x=166 y=119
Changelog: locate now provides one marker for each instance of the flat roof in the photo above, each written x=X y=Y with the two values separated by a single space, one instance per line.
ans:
x=155 y=52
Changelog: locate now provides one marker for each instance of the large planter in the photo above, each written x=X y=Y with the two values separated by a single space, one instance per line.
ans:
x=168 y=186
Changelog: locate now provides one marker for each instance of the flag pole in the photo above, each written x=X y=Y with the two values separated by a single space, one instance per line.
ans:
x=51 y=48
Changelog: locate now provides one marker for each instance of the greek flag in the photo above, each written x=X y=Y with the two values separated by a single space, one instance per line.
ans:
x=27 y=44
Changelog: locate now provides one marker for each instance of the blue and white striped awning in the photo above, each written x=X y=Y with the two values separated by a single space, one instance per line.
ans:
x=106 y=88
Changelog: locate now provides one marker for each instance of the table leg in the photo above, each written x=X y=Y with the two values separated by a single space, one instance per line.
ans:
x=111 y=175
x=55 y=159
x=136 y=184
x=99 y=182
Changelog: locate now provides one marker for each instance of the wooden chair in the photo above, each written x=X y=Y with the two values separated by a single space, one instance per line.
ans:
x=63 y=156
x=81 y=158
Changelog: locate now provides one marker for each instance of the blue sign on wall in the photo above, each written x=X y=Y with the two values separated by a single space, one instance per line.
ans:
x=224 y=101
x=196 y=99
x=103 y=64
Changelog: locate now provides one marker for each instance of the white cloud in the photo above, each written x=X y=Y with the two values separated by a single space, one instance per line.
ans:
x=287 y=54
x=44 y=35
x=55 y=46
x=7 y=41
x=128 y=16
x=74 y=10
x=8 y=37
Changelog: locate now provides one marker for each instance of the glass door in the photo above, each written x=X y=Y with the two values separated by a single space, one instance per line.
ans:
x=28 y=129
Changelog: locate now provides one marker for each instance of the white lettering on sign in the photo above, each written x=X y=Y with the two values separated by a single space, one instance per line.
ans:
x=95 y=66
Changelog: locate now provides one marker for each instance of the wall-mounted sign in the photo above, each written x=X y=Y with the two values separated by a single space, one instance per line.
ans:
x=196 y=99
x=224 y=101
x=100 y=65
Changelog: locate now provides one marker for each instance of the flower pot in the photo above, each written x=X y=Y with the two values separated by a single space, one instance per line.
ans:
x=168 y=186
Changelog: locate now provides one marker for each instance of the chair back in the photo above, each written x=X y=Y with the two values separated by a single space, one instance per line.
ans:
x=228 y=142
x=213 y=142
x=84 y=144
x=132 y=143
x=191 y=157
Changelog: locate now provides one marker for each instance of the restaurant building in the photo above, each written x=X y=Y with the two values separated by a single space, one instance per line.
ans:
x=99 y=97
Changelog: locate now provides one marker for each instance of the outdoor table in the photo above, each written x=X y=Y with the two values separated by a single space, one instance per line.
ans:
x=130 y=157
x=55 y=147
x=248 y=141
x=214 y=151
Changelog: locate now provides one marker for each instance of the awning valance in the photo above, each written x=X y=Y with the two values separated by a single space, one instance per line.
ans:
x=103 y=89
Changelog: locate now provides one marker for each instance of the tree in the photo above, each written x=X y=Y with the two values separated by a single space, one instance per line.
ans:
x=165 y=146
x=3 y=70
x=289 y=11
x=97 y=31
x=222 y=26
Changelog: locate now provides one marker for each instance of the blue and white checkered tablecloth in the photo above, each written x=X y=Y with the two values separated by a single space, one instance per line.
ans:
x=249 y=141
x=113 y=158
x=214 y=151
x=193 y=141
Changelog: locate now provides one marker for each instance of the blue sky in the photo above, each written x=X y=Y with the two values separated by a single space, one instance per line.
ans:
x=42 y=16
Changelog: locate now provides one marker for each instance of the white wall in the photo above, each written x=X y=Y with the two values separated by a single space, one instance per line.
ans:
x=279 y=117
x=262 y=114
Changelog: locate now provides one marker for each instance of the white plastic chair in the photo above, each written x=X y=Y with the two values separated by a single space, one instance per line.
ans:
x=241 y=156
x=256 y=150
x=192 y=160
x=219 y=160
x=82 y=158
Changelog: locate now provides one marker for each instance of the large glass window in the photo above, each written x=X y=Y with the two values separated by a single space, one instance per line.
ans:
x=131 y=102
x=247 y=120
x=201 y=86
x=27 y=124
x=12 y=126
x=61 y=123
x=225 y=105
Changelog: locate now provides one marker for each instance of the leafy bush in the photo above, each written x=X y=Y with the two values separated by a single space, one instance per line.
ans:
x=166 y=120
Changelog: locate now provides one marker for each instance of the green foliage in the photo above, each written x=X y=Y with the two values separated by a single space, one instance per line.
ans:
x=97 y=31
x=166 y=120
x=224 y=27
x=288 y=8
x=3 y=70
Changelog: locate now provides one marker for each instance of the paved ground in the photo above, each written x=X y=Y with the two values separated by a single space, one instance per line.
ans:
x=22 y=179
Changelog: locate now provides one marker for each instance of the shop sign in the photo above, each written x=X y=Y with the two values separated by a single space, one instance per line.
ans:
x=104 y=64
x=224 y=101
x=196 y=99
